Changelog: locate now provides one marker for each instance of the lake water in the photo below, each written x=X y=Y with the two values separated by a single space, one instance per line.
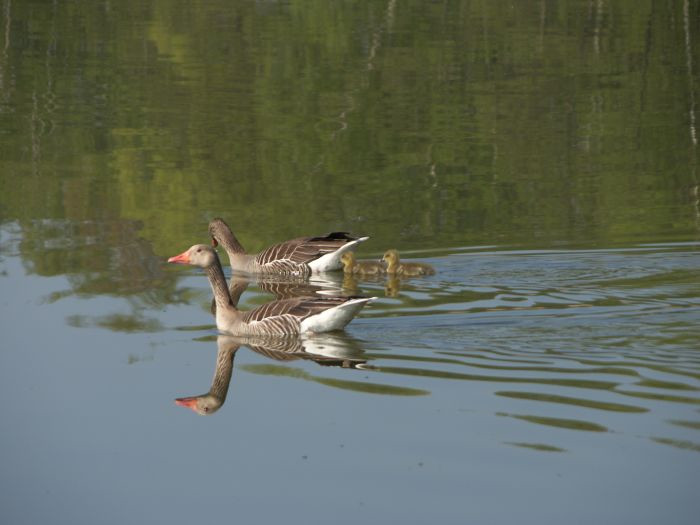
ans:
x=542 y=156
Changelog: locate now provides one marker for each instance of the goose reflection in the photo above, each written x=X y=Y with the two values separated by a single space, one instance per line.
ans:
x=282 y=288
x=209 y=403
x=324 y=349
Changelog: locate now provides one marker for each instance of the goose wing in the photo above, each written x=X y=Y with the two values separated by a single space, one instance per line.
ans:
x=288 y=256
x=297 y=307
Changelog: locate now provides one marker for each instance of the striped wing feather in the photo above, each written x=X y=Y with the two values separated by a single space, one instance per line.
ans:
x=297 y=307
x=279 y=349
x=292 y=348
x=287 y=256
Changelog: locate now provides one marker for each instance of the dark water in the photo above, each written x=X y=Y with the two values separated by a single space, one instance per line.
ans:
x=542 y=156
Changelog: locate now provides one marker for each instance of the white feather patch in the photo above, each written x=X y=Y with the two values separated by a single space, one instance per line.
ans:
x=331 y=261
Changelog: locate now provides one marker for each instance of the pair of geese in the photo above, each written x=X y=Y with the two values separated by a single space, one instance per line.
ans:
x=294 y=258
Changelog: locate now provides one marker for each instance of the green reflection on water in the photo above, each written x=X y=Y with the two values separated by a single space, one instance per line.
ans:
x=655 y=383
x=677 y=443
x=442 y=374
x=356 y=386
x=575 y=401
x=537 y=446
x=499 y=366
x=571 y=424
x=661 y=397
x=649 y=365
x=687 y=424
x=421 y=125
x=116 y=322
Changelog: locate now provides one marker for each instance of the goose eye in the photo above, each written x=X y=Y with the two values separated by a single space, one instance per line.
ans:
x=199 y=250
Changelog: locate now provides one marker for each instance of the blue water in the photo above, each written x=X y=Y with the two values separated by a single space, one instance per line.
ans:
x=559 y=386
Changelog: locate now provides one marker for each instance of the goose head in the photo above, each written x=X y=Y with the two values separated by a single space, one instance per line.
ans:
x=198 y=255
x=204 y=405
x=219 y=231
x=391 y=258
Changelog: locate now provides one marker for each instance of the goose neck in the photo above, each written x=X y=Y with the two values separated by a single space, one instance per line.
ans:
x=230 y=244
x=222 y=374
x=218 y=286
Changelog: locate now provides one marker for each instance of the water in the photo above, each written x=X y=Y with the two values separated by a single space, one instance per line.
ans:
x=551 y=378
x=542 y=157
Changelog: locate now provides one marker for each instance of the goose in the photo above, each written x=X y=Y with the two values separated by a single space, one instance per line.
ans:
x=282 y=317
x=396 y=268
x=353 y=266
x=302 y=256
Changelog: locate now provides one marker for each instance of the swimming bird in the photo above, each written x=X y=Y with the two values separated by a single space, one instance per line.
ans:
x=282 y=317
x=302 y=256
x=395 y=267
x=353 y=266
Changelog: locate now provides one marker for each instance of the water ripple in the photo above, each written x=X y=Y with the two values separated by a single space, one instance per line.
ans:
x=580 y=332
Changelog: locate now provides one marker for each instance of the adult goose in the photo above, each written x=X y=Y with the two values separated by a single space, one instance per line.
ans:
x=284 y=317
x=394 y=266
x=353 y=266
x=301 y=256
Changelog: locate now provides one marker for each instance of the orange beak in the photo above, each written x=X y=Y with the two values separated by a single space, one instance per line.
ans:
x=189 y=402
x=183 y=258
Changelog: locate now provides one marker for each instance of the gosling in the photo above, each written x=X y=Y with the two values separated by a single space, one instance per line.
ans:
x=399 y=269
x=353 y=266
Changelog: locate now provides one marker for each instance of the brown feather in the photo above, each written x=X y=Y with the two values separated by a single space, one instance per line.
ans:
x=302 y=250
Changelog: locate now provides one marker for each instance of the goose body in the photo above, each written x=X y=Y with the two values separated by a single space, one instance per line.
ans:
x=294 y=316
x=283 y=317
x=302 y=256
x=353 y=266
x=394 y=266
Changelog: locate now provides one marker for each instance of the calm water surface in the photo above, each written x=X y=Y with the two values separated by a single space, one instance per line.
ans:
x=542 y=156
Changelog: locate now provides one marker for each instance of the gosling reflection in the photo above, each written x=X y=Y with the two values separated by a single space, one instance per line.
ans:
x=324 y=349
x=392 y=284
x=392 y=287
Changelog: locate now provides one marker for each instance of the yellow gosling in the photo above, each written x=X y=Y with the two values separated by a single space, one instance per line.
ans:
x=355 y=267
x=394 y=266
